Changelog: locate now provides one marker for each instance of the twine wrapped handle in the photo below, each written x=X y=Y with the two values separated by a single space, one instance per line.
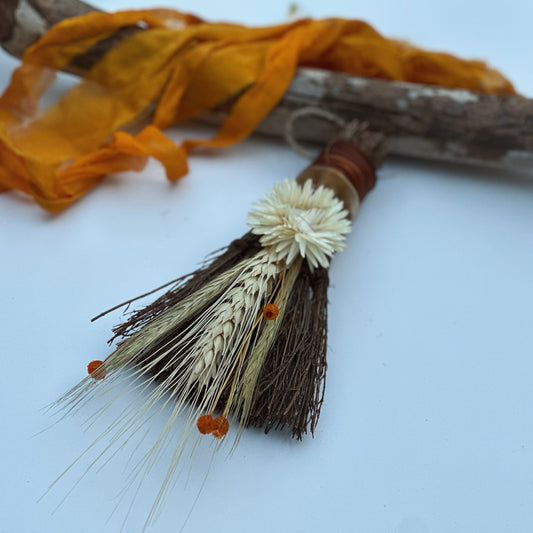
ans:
x=349 y=159
x=347 y=164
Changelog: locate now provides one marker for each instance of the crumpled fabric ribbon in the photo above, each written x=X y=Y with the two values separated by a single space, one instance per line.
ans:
x=177 y=67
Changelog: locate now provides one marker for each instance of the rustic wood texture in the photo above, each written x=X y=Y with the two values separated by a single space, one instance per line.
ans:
x=420 y=121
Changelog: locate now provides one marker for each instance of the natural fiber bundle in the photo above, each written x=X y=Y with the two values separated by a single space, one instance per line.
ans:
x=173 y=67
x=242 y=341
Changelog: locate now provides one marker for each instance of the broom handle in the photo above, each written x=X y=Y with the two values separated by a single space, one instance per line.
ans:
x=420 y=121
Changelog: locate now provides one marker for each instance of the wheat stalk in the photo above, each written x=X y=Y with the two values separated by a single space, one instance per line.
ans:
x=257 y=356
x=181 y=364
x=235 y=315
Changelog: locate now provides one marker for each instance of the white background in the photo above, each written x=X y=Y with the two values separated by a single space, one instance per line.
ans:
x=427 y=423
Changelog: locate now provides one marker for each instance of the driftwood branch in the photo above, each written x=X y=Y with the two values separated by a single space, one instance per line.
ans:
x=419 y=120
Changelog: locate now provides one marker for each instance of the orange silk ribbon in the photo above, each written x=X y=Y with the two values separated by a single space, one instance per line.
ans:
x=176 y=68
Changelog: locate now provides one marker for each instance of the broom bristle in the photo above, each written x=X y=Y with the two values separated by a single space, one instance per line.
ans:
x=239 y=249
x=290 y=388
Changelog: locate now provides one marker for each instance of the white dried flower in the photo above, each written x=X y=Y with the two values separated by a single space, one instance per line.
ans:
x=301 y=220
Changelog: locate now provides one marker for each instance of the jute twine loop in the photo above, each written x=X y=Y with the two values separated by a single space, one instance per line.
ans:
x=347 y=129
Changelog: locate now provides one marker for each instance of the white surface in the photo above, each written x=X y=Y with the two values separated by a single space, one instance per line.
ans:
x=426 y=425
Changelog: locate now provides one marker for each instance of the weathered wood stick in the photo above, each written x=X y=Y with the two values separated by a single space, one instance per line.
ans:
x=419 y=120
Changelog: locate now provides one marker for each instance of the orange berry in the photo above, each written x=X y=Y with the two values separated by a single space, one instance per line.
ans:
x=205 y=424
x=270 y=311
x=221 y=426
x=92 y=369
